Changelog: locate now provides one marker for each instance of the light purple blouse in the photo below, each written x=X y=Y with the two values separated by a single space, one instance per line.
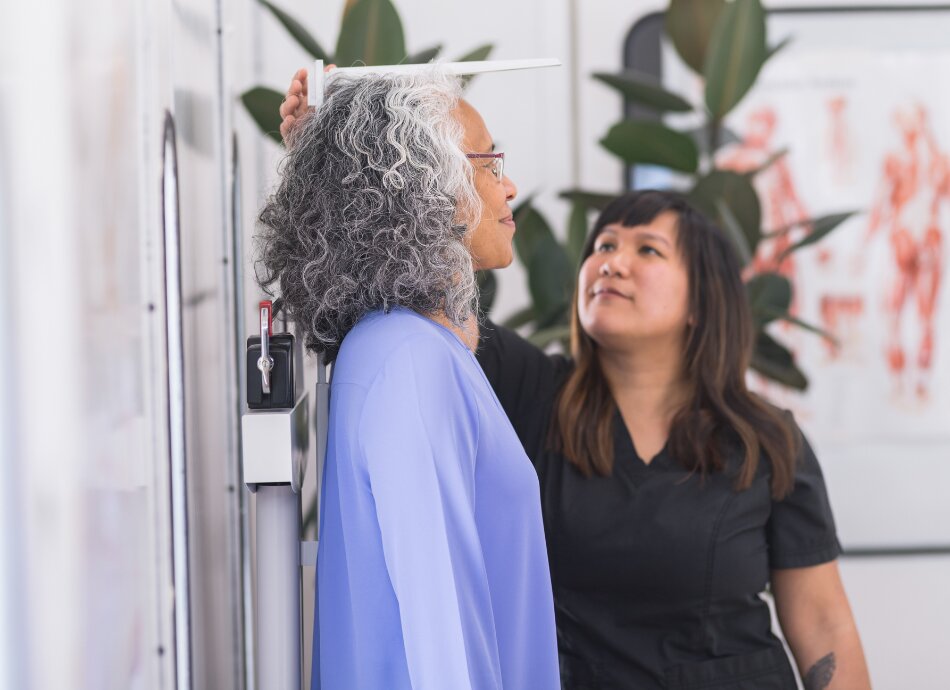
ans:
x=432 y=570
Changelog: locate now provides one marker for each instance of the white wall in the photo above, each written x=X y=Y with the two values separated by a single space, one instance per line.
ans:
x=90 y=597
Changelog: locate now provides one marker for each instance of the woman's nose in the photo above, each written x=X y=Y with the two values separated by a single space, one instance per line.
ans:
x=617 y=264
x=511 y=191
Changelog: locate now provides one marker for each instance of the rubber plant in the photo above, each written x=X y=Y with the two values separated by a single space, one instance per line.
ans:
x=725 y=44
x=371 y=33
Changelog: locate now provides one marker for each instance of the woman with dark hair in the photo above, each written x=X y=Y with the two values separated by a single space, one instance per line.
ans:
x=672 y=495
x=431 y=571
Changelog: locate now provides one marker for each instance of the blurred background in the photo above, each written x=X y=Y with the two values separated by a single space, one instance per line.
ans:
x=134 y=154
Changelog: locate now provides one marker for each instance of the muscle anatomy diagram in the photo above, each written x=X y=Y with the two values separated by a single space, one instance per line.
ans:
x=914 y=187
x=784 y=213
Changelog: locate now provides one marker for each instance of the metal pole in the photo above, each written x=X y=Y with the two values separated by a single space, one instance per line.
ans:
x=279 y=620
x=321 y=415
x=176 y=407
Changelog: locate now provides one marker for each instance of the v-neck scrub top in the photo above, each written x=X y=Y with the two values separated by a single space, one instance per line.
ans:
x=432 y=572
x=657 y=573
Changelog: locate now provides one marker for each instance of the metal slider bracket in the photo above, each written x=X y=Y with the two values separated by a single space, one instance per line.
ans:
x=276 y=441
x=266 y=363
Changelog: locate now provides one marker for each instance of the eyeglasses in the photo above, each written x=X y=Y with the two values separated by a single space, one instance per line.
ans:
x=496 y=163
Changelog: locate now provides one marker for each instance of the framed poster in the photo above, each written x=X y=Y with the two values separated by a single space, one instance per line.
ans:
x=861 y=100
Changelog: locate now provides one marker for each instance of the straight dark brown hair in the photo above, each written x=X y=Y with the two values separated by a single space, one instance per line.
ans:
x=720 y=409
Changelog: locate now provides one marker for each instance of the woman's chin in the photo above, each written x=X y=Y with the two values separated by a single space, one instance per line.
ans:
x=502 y=261
x=606 y=330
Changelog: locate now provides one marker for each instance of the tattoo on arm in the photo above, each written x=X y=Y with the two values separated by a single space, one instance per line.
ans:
x=819 y=675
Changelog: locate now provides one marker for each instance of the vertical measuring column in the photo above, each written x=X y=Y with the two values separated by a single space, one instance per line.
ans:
x=275 y=435
x=279 y=620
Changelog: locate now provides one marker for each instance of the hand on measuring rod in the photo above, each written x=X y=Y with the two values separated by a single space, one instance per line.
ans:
x=294 y=106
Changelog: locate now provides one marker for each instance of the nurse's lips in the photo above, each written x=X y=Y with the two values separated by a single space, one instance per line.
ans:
x=604 y=290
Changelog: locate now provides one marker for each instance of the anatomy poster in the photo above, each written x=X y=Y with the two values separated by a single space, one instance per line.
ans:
x=866 y=130
x=868 y=134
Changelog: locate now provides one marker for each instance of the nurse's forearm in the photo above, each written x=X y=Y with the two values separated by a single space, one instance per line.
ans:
x=816 y=619
x=832 y=660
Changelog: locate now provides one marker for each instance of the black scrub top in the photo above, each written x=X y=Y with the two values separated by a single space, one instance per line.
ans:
x=657 y=572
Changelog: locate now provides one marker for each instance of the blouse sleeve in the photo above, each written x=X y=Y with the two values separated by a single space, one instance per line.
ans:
x=801 y=529
x=419 y=432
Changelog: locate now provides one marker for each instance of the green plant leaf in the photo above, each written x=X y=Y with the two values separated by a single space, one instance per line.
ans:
x=737 y=52
x=700 y=135
x=774 y=361
x=371 y=34
x=727 y=220
x=533 y=229
x=777 y=48
x=520 y=318
x=263 y=105
x=804 y=325
x=423 y=56
x=550 y=280
x=592 y=200
x=550 y=273
x=690 y=24
x=820 y=228
x=477 y=54
x=641 y=89
x=546 y=336
x=480 y=53
x=576 y=233
x=637 y=141
x=770 y=296
x=487 y=289
x=737 y=192
x=769 y=162
x=297 y=31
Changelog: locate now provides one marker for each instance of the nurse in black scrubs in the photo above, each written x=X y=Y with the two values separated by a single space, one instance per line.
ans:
x=672 y=496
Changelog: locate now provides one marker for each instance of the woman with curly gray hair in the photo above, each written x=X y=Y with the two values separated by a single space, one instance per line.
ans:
x=432 y=570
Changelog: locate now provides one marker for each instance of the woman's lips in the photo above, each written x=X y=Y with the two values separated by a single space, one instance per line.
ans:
x=509 y=221
x=607 y=292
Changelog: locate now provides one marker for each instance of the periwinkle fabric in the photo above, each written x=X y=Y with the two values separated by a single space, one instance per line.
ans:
x=432 y=571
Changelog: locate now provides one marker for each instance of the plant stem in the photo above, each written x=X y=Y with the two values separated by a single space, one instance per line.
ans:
x=714 y=132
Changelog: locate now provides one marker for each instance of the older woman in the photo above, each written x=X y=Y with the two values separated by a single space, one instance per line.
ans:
x=432 y=570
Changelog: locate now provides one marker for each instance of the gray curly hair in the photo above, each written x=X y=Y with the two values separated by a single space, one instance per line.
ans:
x=372 y=209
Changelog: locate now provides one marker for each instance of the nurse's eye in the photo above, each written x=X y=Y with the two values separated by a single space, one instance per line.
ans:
x=605 y=247
x=647 y=250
